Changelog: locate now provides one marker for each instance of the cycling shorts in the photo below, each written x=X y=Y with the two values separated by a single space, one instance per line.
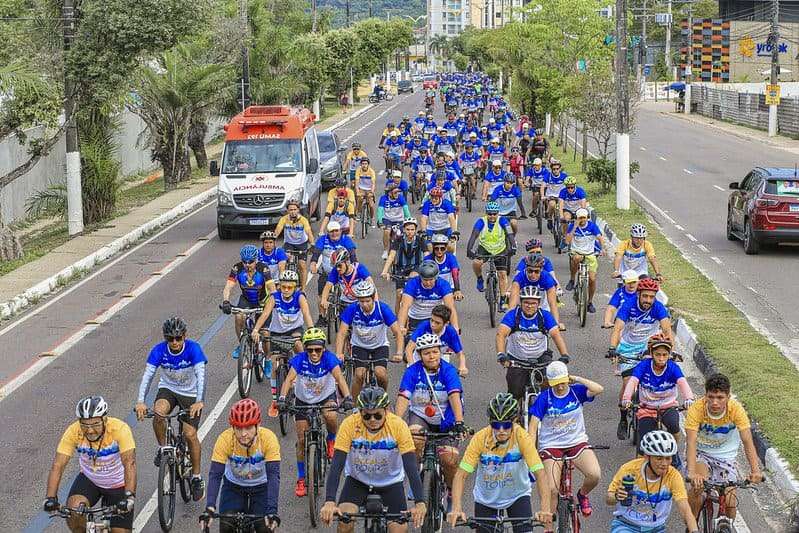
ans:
x=721 y=470
x=83 y=486
x=501 y=259
x=184 y=402
x=620 y=526
x=670 y=419
x=244 y=303
x=302 y=415
x=590 y=260
x=521 y=508
x=355 y=492
x=300 y=250
x=559 y=453
x=235 y=498
x=416 y=420
x=361 y=356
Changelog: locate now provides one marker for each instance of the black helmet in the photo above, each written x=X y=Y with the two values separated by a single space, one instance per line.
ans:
x=174 y=327
x=372 y=398
x=428 y=269
x=503 y=407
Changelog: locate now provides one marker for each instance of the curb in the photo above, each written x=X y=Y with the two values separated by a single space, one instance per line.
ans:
x=774 y=463
x=351 y=117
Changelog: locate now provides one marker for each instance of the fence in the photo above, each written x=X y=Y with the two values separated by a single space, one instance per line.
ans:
x=748 y=109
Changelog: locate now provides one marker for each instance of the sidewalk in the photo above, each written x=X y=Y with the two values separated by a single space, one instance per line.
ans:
x=749 y=134
x=23 y=286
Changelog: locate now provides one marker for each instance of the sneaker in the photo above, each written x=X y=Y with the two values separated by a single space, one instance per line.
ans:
x=273 y=411
x=197 y=488
x=236 y=352
x=570 y=285
x=591 y=308
x=480 y=285
x=268 y=367
x=563 y=245
x=157 y=460
x=384 y=256
x=621 y=430
x=300 y=489
x=330 y=449
x=549 y=225
x=585 y=505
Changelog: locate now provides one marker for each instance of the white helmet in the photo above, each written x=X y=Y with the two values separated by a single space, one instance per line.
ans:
x=638 y=231
x=91 y=407
x=537 y=161
x=364 y=289
x=289 y=275
x=396 y=173
x=581 y=213
x=410 y=220
x=531 y=291
x=658 y=443
x=333 y=225
x=428 y=340
x=439 y=238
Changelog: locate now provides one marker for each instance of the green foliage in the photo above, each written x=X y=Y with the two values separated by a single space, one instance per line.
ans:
x=603 y=172
x=359 y=9
x=100 y=169
x=49 y=202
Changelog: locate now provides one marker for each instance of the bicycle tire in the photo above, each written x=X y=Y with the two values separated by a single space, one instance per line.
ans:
x=311 y=474
x=184 y=471
x=364 y=220
x=724 y=528
x=563 y=519
x=243 y=373
x=166 y=498
x=705 y=519
x=330 y=319
x=539 y=216
x=279 y=379
x=349 y=371
x=582 y=306
x=491 y=297
x=432 y=495
x=258 y=367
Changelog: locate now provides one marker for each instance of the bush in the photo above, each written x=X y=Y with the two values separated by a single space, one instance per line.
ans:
x=603 y=172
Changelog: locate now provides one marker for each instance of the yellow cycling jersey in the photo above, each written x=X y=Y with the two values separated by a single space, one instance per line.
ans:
x=332 y=194
x=101 y=461
x=718 y=437
x=635 y=258
x=246 y=466
x=296 y=232
x=651 y=498
x=365 y=180
x=353 y=158
x=374 y=459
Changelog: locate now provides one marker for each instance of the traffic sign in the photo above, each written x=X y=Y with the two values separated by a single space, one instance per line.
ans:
x=772 y=95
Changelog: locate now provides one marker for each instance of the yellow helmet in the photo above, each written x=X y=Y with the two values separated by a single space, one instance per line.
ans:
x=314 y=336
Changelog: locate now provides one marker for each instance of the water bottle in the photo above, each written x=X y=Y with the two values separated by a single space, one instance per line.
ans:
x=627 y=483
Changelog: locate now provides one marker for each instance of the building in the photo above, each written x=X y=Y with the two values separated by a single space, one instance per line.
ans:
x=758 y=10
x=490 y=13
x=705 y=52
x=446 y=17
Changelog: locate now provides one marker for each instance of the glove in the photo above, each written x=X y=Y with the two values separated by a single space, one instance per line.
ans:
x=459 y=428
x=282 y=406
x=226 y=307
x=687 y=403
x=470 y=254
x=564 y=358
x=51 y=504
x=502 y=358
x=625 y=404
x=126 y=505
x=612 y=353
x=347 y=404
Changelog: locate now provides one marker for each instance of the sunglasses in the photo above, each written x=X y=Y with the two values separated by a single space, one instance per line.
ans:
x=249 y=262
x=501 y=425
x=533 y=270
x=170 y=338
x=442 y=247
x=571 y=186
x=370 y=416
x=317 y=349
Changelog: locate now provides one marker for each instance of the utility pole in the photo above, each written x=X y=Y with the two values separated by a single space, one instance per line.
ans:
x=689 y=69
x=774 y=37
x=245 y=57
x=348 y=12
x=74 y=186
x=370 y=8
x=313 y=16
x=622 y=110
x=668 y=39
x=642 y=61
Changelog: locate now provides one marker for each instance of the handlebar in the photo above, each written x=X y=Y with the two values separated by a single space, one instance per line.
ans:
x=400 y=518
x=307 y=408
x=152 y=414
x=745 y=484
x=83 y=510
x=244 y=310
x=241 y=518
x=475 y=522
x=440 y=435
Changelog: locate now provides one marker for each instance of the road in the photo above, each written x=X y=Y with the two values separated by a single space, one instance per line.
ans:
x=102 y=328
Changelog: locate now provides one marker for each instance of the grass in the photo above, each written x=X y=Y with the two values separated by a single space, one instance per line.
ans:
x=37 y=245
x=763 y=379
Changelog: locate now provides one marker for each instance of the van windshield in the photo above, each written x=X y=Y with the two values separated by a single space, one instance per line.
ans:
x=263 y=155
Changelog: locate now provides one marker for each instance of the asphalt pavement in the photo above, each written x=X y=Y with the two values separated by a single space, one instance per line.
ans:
x=182 y=270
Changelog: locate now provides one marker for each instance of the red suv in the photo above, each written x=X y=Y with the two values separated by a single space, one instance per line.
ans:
x=764 y=208
x=430 y=82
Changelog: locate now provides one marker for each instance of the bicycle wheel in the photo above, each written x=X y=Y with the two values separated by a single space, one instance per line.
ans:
x=705 y=520
x=311 y=476
x=364 y=219
x=166 y=492
x=724 y=527
x=539 y=217
x=282 y=372
x=491 y=297
x=330 y=318
x=184 y=472
x=244 y=368
x=582 y=304
x=563 y=520
x=432 y=495
x=258 y=361
x=469 y=198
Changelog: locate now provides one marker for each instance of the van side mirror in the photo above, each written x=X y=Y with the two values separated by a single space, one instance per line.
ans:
x=734 y=186
x=213 y=168
x=313 y=165
x=341 y=149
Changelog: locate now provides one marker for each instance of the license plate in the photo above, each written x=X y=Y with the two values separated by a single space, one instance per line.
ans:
x=794 y=208
x=259 y=221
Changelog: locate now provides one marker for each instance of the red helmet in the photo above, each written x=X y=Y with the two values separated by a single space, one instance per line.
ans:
x=342 y=193
x=245 y=413
x=648 y=284
x=436 y=192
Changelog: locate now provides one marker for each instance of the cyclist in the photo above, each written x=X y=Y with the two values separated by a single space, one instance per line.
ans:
x=346 y=274
x=470 y=162
x=535 y=275
x=539 y=146
x=272 y=255
x=557 y=425
x=342 y=211
x=385 y=135
x=365 y=324
x=516 y=164
x=107 y=462
x=255 y=282
x=495 y=238
x=447 y=263
x=523 y=336
x=419 y=120
x=582 y=236
x=404 y=257
x=628 y=290
x=289 y=312
x=493 y=178
x=438 y=324
x=537 y=175
x=715 y=427
x=392 y=210
x=633 y=253
x=505 y=459
x=298 y=235
x=431 y=393
x=324 y=247
x=339 y=188
x=438 y=214
x=351 y=162
x=552 y=187
x=442 y=181
x=181 y=383
x=366 y=180
x=536 y=246
x=658 y=380
x=314 y=376
x=451 y=127
x=656 y=486
x=375 y=451
x=245 y=469
x=509 y=199
x=477 y=142
x=421 y=294
x=430 y=126
x=570 y=199
x=636 y=321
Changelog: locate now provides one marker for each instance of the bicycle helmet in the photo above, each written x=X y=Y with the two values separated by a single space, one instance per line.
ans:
x=638 y=231
x=436 y=192
x=364 y=159
x=174 y=327
x=658 y=443
x=581 y=213
x=356 y=146
x=492 y=208
x=428 y=269
x=473 y=134
x=659 y=339
x=291 y=202
x=289 y=275
x=394 y=133
x=333 y=225
x=539 y=131
x=248 y=253
x=342 y=255
x=494 y=140
x=532 y=244
x=534 y=260
x=571 y=180
x=439 y=238
x=340 y=182
x=364 y=289
x=537 y=161
x=503 y=407
x=91 y=407
x=554 y=162
x=509 y=178
x=428 y=340
x=244 y=413
x=392 y=187
x=314 y=337
x=268 y=236
x=496 y=163
x=410 y=220
x=531 y=292
x=373 y=398
x=648 y=284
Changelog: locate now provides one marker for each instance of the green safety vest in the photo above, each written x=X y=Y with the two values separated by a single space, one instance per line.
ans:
x=493 y=240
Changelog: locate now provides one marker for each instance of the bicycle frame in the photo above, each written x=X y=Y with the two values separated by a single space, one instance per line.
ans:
x=536 y=378
x=375 y=515
x=716 y=493
x=491 y=292
x=566 y=495
x=243 y=522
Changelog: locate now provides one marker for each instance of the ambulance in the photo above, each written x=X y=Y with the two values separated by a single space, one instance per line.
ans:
x=271 y=156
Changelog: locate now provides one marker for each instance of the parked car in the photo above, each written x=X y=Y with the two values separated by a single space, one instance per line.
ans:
x=417 y=77
x=763 y=208
x=330 y=150
x=405 y=86
x=430 y=82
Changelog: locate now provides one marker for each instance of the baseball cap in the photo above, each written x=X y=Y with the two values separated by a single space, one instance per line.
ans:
x=557 y=373
x=629 y=275
x=582 y=213
x=333 y=226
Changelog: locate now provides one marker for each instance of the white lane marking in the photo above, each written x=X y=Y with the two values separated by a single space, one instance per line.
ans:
x=722 y=189
x=753 y=290
x=661 y=158
x=152 y=504
x=680 y=228
x=717 y=260
x=643 y=148
x=690 y=237
x=42 y=362
x=687 y=171
x=703 y=248
x=740 y=524
x=60 y=295
x=359 y=130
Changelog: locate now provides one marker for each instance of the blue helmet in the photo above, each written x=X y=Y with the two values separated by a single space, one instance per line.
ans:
x=248 y=253
x=492 y=208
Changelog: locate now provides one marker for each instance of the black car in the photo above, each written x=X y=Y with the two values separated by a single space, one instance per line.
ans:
x=405 y=86
x=330 y=151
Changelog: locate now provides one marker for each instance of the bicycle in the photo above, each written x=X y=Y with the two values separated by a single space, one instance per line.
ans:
x=375 y=515
x=316 y=459
x=716 y=493
x=466 y=188
x=581 y=292
x=433 y=486
x=539 y=212
x=250 y=359
x=174 y=469
x=366 y=214
x=536 y=378
x=282 y=347
x=242 y=522
x=98 y=520
x=491 y=287
x=293 y=262
x=554 y=221
x=333 y=313
x=567 y=512
x=499 y=524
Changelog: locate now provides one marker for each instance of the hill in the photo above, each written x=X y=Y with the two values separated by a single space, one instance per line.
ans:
x=359 y=9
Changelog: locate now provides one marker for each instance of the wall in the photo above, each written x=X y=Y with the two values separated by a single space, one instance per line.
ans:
x=749 y=55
